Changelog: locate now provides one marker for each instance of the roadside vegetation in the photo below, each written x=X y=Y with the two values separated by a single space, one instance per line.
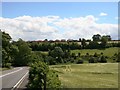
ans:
x=40 y=55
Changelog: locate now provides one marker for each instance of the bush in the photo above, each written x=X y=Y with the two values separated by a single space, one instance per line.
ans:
x=53 y=80
x=8 y=65
x=40 y=77
x=92 y=60
x=103 y=59
x=80 y=62
x=95 y=55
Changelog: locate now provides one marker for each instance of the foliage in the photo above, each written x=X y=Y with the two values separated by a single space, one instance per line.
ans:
x=23 y=56
x=6 y=58
x=50 y=60
x=41 y=77
x=96 y=37
x=92 y=60
x=104 y=41
x=53 y=80
x=83 y=43
x=80 y=62
x=103 y=59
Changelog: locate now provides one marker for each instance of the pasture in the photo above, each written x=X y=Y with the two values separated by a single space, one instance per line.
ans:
x=107 y=52
x=99 y=75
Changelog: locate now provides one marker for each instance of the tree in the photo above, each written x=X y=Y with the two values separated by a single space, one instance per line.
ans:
x=108 y=37
x=92 y=60
x=95 y=54
x=79 y=54
x=50 y=60
x=57 y=53
x=37 y=75
x=103 y=59
x=104 y=40
x=93 y=45
x=14 y=53
x=24 y=55
x=80 y=62
x=40 y=77
x=6 y=58
x=83 y=43
x=96 y=37
x=79 y=39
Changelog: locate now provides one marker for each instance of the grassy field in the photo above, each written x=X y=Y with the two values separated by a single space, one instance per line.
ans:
x=107 y=52
x=100 y=75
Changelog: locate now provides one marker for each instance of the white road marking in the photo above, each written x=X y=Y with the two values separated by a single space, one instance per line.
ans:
x=19 y=82
x=10 y=73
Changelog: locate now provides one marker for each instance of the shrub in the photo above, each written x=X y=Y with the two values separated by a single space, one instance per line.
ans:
x=92 y=60
x=95 y=55
x=53 y=80
x=80 y=62
x=40 y=77
x=8 y=65
x=103 y=59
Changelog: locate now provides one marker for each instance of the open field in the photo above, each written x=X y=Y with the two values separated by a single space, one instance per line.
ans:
x=107 y=52
x=100 y=75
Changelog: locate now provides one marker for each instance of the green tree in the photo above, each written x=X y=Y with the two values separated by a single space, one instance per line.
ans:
x=103 y=59
x=57 y=53
x=96 y=37
x=93 y=45
x=83 y=43
x=24 y=55
x=40 y=77
x=92 y=60
x=104 y=40
x=6 y=58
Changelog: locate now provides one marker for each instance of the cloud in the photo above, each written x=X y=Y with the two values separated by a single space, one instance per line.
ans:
x=55 y=27
x=103 y=14
x=117 y=18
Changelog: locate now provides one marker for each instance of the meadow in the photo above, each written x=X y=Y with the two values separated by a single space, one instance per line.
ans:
x=107 y=52
x=98 y=75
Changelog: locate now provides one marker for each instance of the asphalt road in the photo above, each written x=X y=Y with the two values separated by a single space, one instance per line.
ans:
x=14 y=78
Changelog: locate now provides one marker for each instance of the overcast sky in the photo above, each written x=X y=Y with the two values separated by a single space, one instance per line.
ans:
x=49 y=20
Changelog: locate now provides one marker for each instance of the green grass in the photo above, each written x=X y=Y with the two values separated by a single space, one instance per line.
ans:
x=107 y=52
x=100 y=75
x=2 y=69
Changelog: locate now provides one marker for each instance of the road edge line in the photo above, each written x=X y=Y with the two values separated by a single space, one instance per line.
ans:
x=11 y=73
x=15 y=86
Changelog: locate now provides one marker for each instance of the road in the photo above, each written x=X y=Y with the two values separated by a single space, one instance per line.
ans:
x=14 y=78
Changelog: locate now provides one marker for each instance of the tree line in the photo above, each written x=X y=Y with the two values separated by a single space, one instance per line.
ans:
x=99 y=42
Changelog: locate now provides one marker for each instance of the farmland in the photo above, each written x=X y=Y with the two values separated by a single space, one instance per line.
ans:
x=100 y=75
x=107 y=52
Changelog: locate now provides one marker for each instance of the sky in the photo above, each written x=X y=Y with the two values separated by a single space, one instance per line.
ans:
x=59 y=20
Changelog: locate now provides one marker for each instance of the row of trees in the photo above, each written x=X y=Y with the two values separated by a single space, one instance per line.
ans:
x=99 y=42
x=96 y=37
x=46 y=46
x=15 y=54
